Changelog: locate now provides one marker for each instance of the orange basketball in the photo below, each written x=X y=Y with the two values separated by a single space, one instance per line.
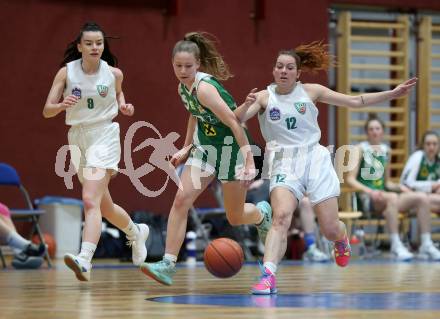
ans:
x=223 y=257
x=50 y=243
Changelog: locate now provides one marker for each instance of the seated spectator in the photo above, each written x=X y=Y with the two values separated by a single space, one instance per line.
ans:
x=377 y=194
x=26 y=254
x=422 y=170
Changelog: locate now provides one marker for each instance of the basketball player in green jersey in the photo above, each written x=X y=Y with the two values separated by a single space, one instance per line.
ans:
x=216 y=146
x=422 y=170
x=371 y=178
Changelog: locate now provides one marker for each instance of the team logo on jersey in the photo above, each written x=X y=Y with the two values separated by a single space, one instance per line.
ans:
x=102 y=90
x=301 y=107
x=77 y=92
x=209 y=130
x=275 y=114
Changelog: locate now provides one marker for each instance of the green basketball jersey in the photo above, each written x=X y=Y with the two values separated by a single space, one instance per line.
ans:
x=215 y=144
x=428 y=171
x=372 y=168
x=210 y=130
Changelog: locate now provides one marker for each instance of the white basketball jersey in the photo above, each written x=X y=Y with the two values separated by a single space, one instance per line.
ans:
x=96 y=93
x=290 y=120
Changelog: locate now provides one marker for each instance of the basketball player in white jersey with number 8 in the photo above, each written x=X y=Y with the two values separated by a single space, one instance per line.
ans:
x=91 y=88
x=288 y=121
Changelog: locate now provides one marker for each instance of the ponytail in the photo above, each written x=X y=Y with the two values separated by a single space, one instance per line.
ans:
x=202 y=45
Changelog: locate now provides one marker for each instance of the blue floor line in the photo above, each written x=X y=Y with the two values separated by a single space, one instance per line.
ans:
x=368 y=301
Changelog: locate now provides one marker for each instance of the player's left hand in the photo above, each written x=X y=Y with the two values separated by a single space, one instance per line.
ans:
x=127 y=109
x=404 y=88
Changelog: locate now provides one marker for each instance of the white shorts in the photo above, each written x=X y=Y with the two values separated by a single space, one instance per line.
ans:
x=95 y=146
x=306 y=172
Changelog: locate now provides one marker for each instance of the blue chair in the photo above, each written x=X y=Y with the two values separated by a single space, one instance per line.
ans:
x=9 y=177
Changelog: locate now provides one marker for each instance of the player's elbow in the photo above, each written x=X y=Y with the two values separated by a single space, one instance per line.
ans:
x=45 y=114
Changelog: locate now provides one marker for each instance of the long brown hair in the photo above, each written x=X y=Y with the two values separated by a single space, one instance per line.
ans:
x=72 y=52
x=311 y=57
x=202 y=45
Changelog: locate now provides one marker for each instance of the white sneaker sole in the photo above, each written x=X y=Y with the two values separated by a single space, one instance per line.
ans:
x=70 y=262
x=146 y=233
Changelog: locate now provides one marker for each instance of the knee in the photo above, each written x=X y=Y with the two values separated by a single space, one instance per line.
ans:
x=392 y=199
x=181 y=202
x=282 y=219
x=90 y=203
x=331 y=231
x=421 y=199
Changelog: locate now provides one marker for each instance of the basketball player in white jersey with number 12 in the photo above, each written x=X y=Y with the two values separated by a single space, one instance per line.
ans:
x=288 y=120
x=91 y=88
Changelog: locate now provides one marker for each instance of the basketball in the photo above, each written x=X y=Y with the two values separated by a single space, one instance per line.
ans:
x=49 y=241
x=223 y=257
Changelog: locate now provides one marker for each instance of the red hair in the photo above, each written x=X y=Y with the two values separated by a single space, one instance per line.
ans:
x=311 y=57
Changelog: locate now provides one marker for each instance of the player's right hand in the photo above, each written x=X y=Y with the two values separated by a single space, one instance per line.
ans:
x=180 y=156
x=69 y=101
x=251 y=97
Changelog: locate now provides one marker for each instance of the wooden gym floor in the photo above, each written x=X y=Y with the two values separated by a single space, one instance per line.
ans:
x=375 y=289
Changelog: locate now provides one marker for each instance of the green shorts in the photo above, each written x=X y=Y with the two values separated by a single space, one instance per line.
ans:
x=222 y=161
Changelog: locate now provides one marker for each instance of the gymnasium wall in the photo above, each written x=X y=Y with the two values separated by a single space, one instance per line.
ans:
x=393 y=4
x=35 y=34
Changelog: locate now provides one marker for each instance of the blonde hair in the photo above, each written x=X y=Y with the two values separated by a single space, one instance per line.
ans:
x=202 y=45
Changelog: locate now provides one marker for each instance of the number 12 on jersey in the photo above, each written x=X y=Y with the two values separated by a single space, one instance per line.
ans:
x=291 y=123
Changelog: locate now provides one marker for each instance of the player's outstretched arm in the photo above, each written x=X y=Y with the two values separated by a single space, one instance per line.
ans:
x=325 y=95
